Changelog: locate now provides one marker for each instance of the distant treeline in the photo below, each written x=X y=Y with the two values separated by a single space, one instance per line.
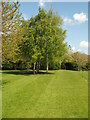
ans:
x=52 y=66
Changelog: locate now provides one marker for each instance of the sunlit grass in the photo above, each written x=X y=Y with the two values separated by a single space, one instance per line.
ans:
x=60 y=94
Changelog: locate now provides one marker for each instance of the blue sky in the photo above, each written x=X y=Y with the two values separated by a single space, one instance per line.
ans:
x=75 y=16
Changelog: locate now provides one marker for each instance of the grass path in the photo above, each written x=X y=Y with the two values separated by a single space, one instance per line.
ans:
x=62 y=94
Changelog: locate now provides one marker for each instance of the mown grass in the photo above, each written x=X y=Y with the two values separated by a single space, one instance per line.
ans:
x=61 y=94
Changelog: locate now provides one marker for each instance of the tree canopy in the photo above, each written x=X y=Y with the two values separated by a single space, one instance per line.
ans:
x=43 y=38
x=36 y=43
x=11 y=31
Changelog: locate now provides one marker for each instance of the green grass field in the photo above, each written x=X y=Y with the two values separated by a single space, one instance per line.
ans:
x=60 y=94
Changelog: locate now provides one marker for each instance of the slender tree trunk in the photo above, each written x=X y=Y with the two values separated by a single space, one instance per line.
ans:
x=14 y=66
x=37 y=67
x=79 y=68
x=60 y=65
x=27 y=69
x=34 y=69
x=47 y=65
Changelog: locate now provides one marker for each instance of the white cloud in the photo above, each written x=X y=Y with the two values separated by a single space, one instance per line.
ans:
x=41 y=3
x=77 y=18
x=81 y=18
x=67 y=21
x=73 y=48
x=25 y=16
x=79 y=50
x=49 y=1
x=84 y=44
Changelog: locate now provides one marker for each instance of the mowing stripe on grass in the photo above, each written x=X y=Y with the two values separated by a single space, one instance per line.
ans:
x=62 y=94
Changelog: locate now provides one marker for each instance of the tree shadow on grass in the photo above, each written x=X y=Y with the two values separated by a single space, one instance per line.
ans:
x=23 y=72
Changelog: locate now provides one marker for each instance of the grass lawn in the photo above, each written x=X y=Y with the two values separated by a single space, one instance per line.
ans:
x=61 y=94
